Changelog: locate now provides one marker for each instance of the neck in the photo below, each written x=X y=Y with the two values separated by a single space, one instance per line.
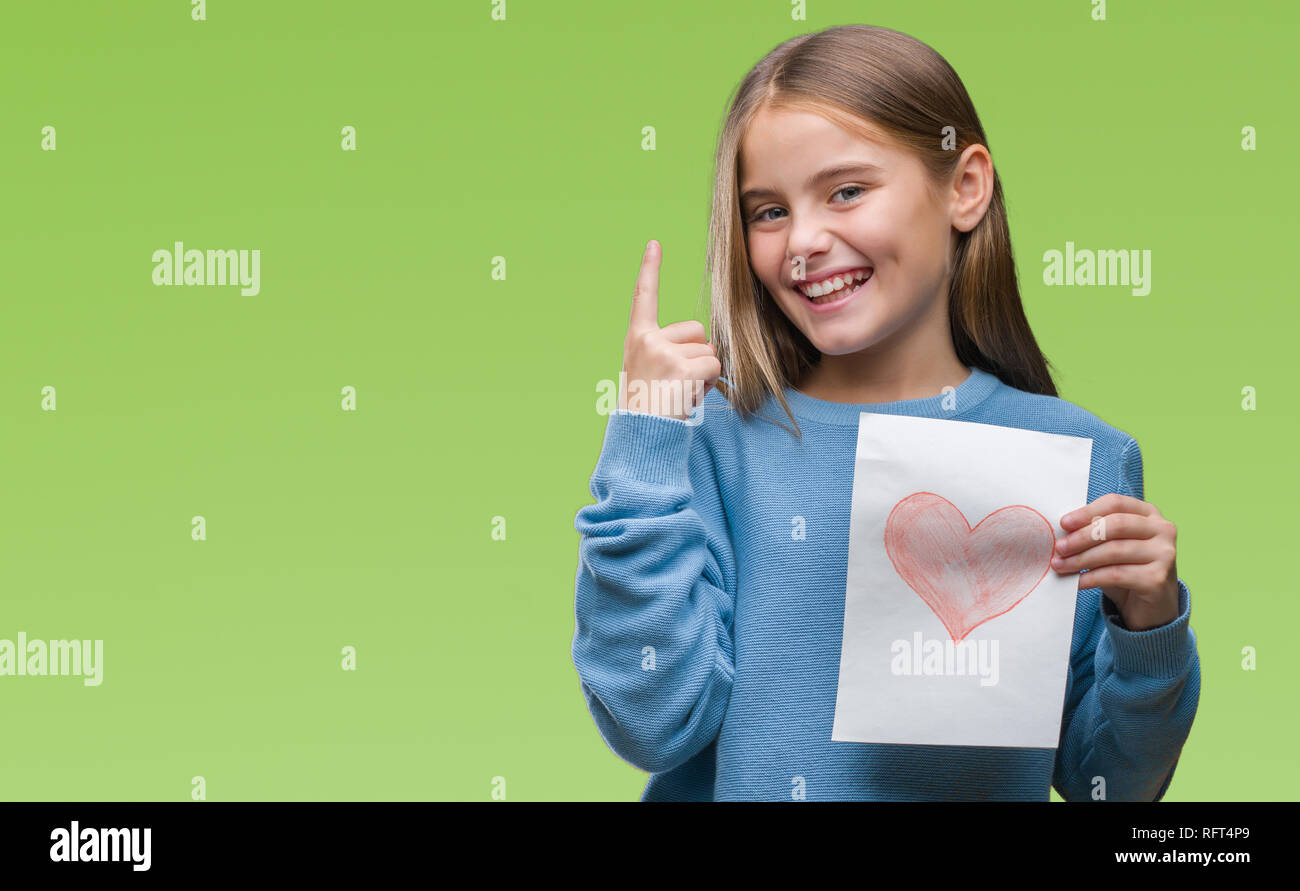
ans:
x=912 y=367
x=864 y=382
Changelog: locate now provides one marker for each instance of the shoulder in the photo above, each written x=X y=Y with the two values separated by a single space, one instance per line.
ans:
x=715 y=421
x=732 y=438
x=1116 y=456
x=725 y=426
x=1052 y=414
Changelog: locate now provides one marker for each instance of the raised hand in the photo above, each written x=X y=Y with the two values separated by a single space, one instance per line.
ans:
x=669 y=370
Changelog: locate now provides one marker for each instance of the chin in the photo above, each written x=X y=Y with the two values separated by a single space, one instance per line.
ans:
x=838 y=343
x=841 y=346
x=841 y=349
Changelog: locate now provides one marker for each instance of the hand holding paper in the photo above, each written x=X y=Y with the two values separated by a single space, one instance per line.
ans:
x=1128 y=549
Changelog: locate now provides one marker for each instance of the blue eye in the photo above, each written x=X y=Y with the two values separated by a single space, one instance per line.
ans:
x=763 y=218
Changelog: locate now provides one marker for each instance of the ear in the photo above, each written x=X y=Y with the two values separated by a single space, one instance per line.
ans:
x=972 y=188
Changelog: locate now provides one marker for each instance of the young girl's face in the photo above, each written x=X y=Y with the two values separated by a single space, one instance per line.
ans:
x=879 y=216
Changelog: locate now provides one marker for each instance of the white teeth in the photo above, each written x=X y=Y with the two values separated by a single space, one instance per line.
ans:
x=821 y=289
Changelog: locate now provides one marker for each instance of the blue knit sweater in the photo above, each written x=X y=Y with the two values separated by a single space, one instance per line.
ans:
x=707 y=641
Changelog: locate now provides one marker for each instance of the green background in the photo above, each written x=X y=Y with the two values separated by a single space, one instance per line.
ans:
x=477 y=398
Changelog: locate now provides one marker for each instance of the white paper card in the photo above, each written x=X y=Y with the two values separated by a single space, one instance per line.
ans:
x=957 y=629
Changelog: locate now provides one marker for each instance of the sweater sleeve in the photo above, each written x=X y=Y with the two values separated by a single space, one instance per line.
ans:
x=655 y=592
x=1130 y=695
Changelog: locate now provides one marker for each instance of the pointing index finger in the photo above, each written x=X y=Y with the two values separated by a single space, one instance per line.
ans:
x=645 y=297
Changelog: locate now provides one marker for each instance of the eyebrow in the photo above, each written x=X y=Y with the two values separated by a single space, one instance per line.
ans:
x=829 y=173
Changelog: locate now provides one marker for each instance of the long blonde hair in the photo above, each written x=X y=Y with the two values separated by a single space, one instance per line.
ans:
x=872 y=80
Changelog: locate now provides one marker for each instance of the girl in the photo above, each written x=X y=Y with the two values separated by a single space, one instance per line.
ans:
x=860 y=261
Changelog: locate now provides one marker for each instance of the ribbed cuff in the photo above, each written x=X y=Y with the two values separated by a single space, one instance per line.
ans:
x=1155 y=652
x=646 y=447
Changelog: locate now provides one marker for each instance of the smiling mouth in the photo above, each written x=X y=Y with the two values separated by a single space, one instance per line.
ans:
x=848 y=285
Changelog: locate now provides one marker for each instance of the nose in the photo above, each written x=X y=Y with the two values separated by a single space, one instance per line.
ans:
x=807 y=239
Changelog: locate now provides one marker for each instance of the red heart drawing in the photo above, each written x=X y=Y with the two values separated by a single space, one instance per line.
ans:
x=967 y=576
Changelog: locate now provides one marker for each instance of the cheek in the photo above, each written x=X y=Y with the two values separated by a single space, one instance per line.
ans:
x=765 y=258
x=926 y=231
x=875 y=234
